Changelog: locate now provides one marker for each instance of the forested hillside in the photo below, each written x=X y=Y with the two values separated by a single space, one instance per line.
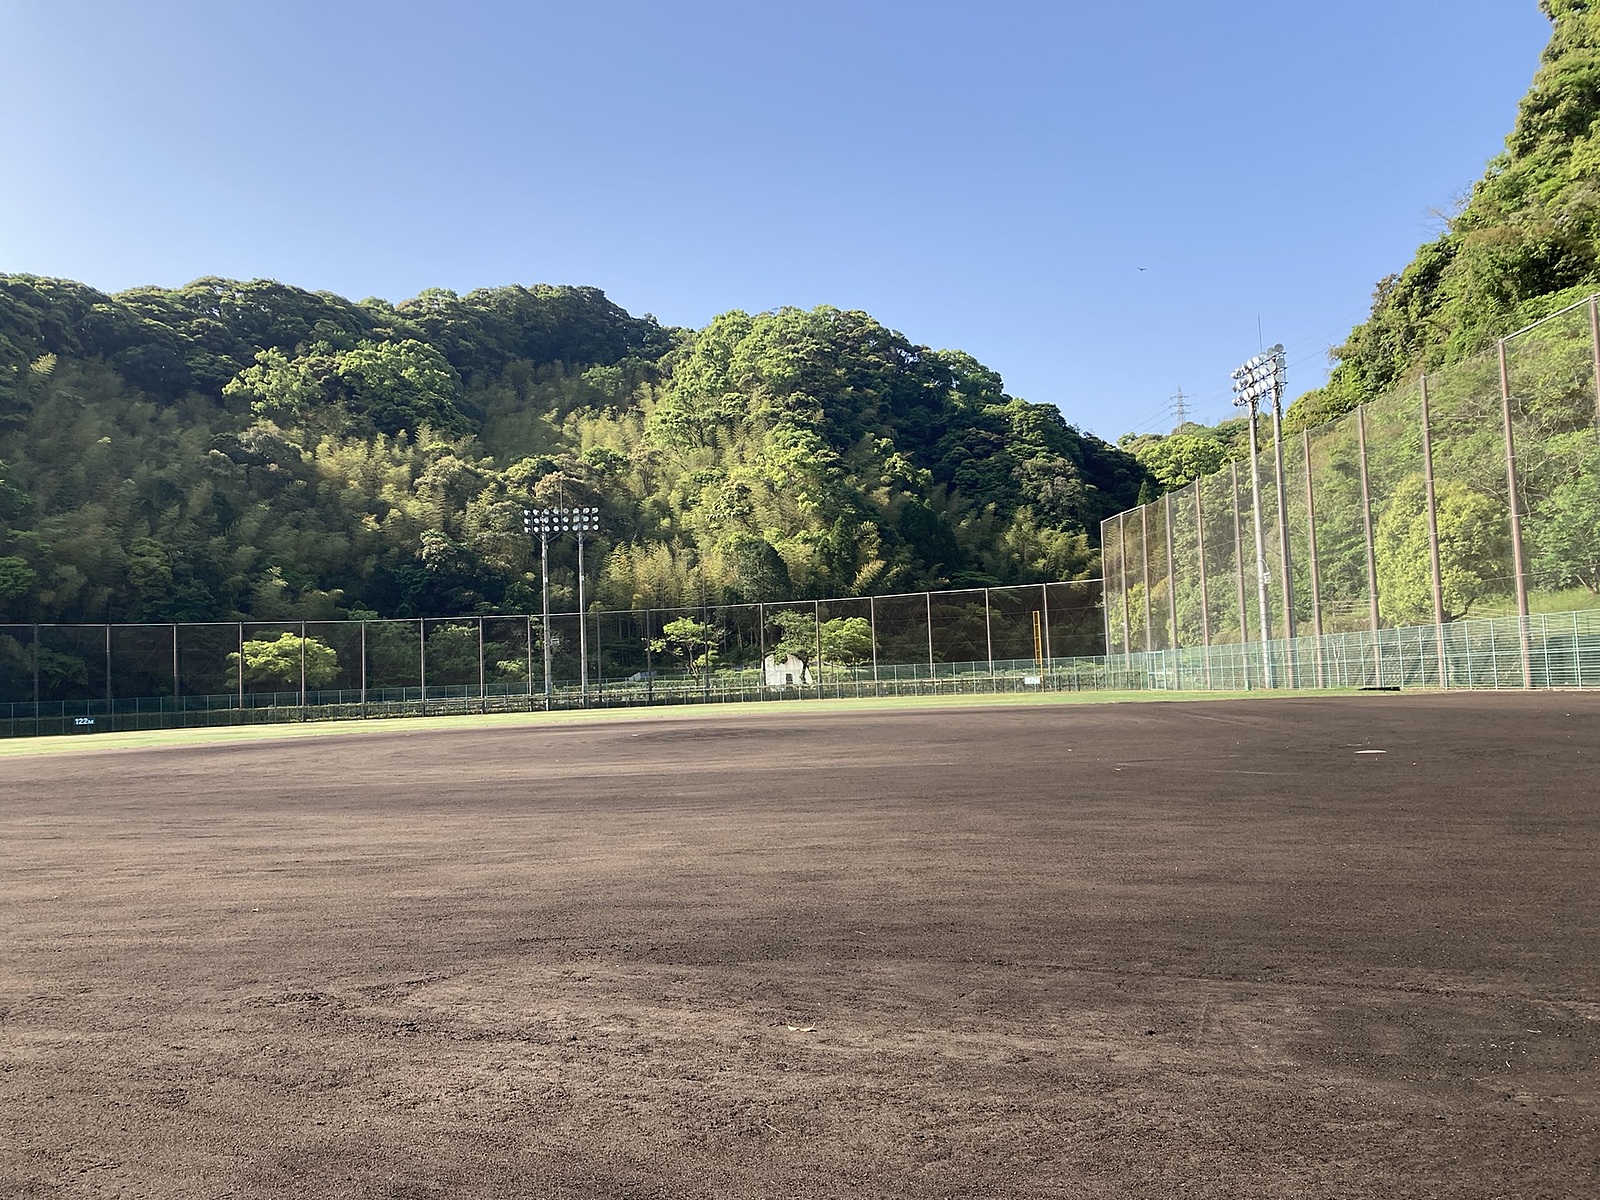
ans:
x=1525 y=243
x=251 y=450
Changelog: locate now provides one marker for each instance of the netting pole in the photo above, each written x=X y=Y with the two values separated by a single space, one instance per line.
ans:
x=649 y=656
x=36 y=665
x=108 y=669
x=1172 y=578
x=483 y=696
x=1577 y=642
x=1594 y=339
x=1044 y=598
x=363 y=668
x=1433 y=529
x=1516 y=518
x=1311 y=551
x=761 y=638
x=1238 y=570
x=1105 y=586
x=816 y=625
x=1205 y=590
x=422 y=661
x=177 y=687
x=1122 y=567
x=1287 y=588
x=928 y=598
x=988 y=631
x=241 y=666
x=302 y=670
x=872 y=616
x=529 y=618
x=544 y=610
x=1144 y=565
x=1372 y=561
x=583 y=632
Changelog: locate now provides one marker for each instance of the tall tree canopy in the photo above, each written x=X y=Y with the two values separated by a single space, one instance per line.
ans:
x=249 y=449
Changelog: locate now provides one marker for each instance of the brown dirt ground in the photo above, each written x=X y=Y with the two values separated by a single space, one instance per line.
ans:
x=1186 y=949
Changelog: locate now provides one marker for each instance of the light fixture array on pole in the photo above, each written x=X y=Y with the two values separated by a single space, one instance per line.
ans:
x=545 y=524
x=1264 y=376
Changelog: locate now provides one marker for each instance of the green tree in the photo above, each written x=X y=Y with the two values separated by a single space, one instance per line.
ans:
x=797 y=635
x=1565 y=531
x=1474 y=542
x=692 y=641
x=847 y=640
x=16 y=579
x=278 y=661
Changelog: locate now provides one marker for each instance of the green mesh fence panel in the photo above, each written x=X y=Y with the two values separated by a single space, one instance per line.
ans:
x=1555 y=420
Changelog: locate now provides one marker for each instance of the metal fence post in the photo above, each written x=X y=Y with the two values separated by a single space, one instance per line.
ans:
x=1287 y=588
x=872 y=618
x=1238 y=564
x=1205 y=590
x=650 y=660
x=816 y=625
x=928 y=598
x=1372 y=561
x=988 y=630
x=1261 y=554
x=302 y=670
x=761 y=638
x=177 y=686
x=109 y=698
x=483 y=696
x=241 y=666
x=1433 y=530
x=422 y=661
x=1044 y=600
x=1122 y=567
x=1594 y=339
x=1144 y=561
x=1311 y=554
x=363 y=668
x=1514 y=504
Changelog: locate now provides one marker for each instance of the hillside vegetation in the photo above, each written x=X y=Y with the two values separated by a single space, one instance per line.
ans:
x=1525 y=243
x=234 y=450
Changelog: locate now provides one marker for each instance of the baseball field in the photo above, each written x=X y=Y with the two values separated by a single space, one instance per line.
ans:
x=1283 y=947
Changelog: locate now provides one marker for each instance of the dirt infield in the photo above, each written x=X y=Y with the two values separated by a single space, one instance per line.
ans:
x=1156 y=950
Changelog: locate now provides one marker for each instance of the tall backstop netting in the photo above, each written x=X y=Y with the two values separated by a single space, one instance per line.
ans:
x=89 y=678
x=1445 y=535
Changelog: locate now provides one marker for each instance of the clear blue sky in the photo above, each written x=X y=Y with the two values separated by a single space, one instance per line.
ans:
x=983 y=176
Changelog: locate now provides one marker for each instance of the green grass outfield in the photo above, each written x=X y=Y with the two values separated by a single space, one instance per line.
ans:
x=770 y=710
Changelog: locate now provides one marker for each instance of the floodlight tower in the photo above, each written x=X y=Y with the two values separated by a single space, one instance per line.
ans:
x=1264 y=375
x=541 y=523
x=583 y=521
x=546 y=523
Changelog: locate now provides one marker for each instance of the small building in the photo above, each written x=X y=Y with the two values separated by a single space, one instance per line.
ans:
x=790 y=672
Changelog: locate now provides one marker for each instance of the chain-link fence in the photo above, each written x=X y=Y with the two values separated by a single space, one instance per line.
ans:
x=1469 y=494
x=89 y=678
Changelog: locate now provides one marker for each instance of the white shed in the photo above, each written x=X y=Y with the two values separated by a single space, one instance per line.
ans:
x=791 y=672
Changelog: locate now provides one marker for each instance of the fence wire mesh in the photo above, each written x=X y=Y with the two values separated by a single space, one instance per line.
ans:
x=1472 y=493
x=88 y=678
